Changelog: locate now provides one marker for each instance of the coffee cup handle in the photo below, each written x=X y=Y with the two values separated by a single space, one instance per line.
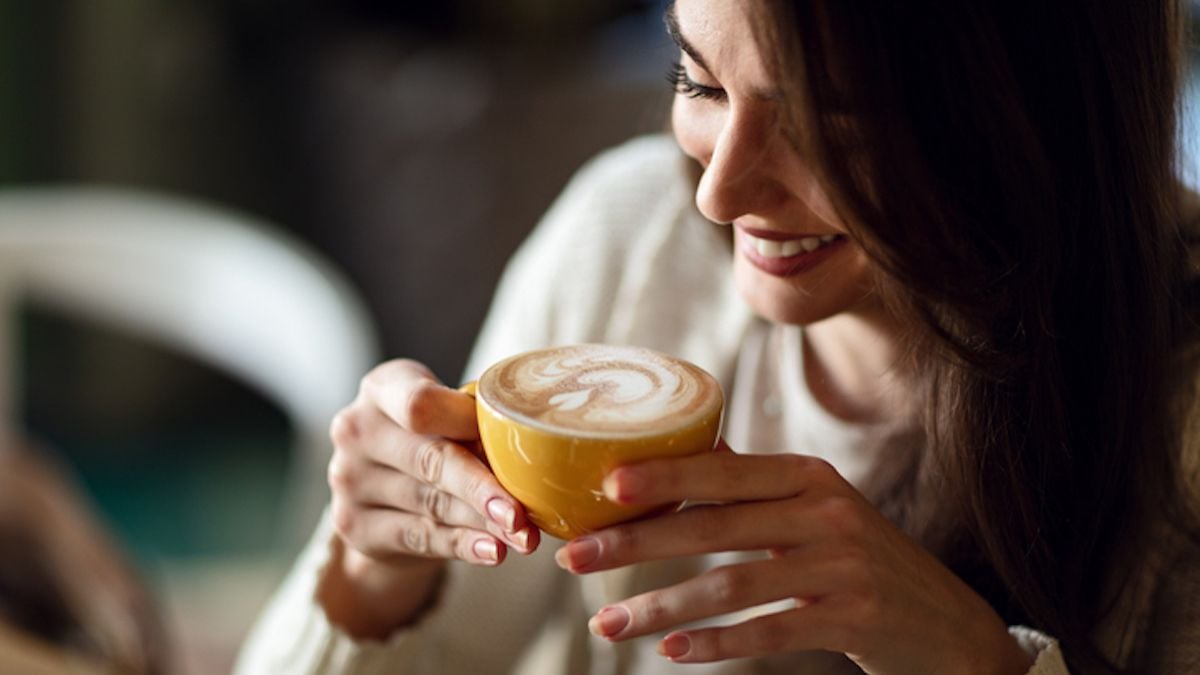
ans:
x=469 y=388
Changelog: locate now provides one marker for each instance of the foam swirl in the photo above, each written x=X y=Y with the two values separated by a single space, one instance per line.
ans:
x=600 y=389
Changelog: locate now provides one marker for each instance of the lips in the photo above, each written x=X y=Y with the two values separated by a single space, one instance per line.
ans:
x=784 y=255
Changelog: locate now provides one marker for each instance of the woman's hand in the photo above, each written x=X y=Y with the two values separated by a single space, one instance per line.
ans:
x=409 y=491
x=860 y=586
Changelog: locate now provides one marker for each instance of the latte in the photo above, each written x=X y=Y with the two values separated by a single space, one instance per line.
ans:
x=554 y=422
x=600 y=391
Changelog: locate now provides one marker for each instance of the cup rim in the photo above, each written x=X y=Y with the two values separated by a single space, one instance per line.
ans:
x=702 y=416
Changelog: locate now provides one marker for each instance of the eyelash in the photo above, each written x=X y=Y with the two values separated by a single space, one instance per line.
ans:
x=678 y=78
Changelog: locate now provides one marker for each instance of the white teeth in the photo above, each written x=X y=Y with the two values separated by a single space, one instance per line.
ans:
x=770 y=248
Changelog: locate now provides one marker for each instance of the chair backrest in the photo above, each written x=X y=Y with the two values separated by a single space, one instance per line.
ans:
x=212 y=284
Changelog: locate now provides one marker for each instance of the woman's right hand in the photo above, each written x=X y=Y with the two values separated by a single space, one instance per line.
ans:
x=410 y=490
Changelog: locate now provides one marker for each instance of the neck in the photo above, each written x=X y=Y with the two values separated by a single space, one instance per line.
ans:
x=852 y=365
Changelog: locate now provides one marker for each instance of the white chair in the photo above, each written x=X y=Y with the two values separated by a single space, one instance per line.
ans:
x=211 y=284
x=222 y=288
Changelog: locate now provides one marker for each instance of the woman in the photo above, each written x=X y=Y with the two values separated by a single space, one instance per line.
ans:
x=957 y=410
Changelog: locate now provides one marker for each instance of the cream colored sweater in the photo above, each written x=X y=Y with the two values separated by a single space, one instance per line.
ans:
x=623 y=257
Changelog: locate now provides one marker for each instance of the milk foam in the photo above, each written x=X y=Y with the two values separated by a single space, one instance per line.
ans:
x=600 y=389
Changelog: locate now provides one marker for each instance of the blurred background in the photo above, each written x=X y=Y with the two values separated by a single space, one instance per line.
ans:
x=397 y=152
x=278 y=195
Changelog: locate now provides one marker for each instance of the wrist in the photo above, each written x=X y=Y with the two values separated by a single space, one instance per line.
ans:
x=371 y=599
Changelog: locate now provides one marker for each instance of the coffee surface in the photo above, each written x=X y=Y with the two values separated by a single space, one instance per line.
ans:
x=600 y=390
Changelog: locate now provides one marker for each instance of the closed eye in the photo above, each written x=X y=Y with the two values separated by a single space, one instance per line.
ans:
x=682 y=84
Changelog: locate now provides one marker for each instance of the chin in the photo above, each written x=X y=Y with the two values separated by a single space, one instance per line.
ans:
x=800 y=300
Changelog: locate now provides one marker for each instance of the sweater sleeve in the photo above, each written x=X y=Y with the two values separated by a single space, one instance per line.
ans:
x=1048 y=658
x=294 y=636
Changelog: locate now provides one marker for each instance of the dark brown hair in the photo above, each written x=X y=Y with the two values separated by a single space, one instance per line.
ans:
x=1009 y=166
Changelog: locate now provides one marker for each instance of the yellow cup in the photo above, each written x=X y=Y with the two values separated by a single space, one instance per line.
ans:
x=557 y=474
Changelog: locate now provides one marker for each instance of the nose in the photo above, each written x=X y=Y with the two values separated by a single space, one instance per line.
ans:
x=739 y=167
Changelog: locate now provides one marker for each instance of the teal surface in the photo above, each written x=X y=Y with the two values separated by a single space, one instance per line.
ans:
x=178 y=458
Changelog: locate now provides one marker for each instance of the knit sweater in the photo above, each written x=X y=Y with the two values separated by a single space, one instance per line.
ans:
x=623 y=257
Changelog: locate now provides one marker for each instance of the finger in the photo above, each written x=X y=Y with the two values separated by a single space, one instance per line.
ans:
x=719 y=477
x=718 y=591
x=411 y=395
x=807 y=628
x=702 y=529
x=387 y=488
x=384 y=487
x=386 y=534
x=434 y=460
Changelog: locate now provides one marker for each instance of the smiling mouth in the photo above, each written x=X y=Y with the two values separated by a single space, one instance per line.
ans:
x=786 y=248
x=785 y=257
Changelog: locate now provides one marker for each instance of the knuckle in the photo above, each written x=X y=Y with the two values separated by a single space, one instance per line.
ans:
x=417 y=538
x=340 y=476
x=652 y=610
x=867 y=607
x=460 y=544
x=813 y=468
x=344 y=518
x=479 y=488
x=728 y=583
x=381 y=375
x=626 y=540
x=436 y=503
x=367 y=381
x=344 y=429
x=420 y=406
x=855 y=564
x=431 y=460
x=843 y=515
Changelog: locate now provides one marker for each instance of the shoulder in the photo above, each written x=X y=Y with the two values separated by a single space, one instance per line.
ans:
x=621 y=256
x=636 y=165
x=622 y=202
x=638 y=184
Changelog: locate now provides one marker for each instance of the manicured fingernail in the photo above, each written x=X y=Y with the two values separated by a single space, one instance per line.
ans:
x=675 y=646
x=486 y=550
x=578 y=554
x=609 y=621
x=520 y=539
x=502 y=513
x=624 y=489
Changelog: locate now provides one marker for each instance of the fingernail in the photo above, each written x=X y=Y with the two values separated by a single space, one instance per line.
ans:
x=624 y=489
x=502 y=513
x=520 y=539
x=609 y=621
x=675 y=646
x=578 y=554
x=486 y=550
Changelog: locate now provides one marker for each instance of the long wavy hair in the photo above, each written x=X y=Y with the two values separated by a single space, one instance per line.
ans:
x=1010 y=168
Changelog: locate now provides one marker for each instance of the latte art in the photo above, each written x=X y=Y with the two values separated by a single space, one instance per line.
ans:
x=600 y=390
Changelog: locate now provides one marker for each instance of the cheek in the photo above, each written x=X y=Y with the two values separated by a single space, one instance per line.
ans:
x=691 y=130
x=819 y=203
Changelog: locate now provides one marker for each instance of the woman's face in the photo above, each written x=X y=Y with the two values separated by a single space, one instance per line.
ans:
x=793 y=262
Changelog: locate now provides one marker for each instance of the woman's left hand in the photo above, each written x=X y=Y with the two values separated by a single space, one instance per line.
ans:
x=860 y=585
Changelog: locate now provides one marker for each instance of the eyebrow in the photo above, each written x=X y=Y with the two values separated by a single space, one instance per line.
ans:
x=672 y=22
